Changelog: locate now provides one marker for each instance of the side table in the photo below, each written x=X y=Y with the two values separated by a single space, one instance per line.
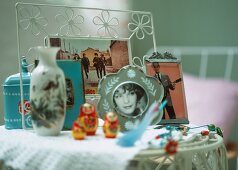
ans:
x=203 y=153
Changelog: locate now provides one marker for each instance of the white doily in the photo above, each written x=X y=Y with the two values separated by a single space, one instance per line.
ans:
x=25 y=150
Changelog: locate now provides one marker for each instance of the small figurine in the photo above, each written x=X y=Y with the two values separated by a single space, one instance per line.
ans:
x=111 y=125
x=88 y=118
x=78 y=131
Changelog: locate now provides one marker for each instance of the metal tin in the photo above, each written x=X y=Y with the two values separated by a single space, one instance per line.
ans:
x=12 y=99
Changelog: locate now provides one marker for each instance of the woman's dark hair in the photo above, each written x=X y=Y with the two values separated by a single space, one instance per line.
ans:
x=131 y=87
x=139 y=91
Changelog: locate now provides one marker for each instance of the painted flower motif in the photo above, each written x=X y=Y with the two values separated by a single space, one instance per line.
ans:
x=140 y=26
x=28 y=120
x=69 y=23
x=27 y=106
x=171 y=147
x=129 y=125
x=107 y=24
x=32 y=20
x=131 y=73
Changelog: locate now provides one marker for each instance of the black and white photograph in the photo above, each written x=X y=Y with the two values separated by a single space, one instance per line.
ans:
x=130 y=99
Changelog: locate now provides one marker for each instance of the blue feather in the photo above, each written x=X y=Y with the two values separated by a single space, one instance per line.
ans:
x=129 y=138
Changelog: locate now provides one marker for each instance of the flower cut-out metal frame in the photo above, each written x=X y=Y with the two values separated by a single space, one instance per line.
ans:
x=153 y=91
x=35 y=22
x=62 y=20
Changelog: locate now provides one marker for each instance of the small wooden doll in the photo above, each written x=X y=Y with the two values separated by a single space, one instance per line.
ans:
x=111 y=125
x=78 y=131
x=88 y=118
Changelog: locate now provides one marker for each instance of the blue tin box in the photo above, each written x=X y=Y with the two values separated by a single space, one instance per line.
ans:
x=75 y=90
x=12 y=100
x=12 y=95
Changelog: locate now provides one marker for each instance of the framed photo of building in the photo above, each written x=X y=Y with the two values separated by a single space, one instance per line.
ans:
x=169 y=73
x=98 y=57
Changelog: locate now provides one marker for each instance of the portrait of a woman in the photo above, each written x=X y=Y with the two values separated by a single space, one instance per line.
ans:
x=130 y=99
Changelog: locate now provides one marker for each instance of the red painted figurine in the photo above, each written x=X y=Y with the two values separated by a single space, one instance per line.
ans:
x=111 y=125
x=88 y=118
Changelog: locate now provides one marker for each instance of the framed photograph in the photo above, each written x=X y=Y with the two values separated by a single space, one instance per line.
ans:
x=85 y=31
x=129 y=93
x=169 y=74
x=98 y=57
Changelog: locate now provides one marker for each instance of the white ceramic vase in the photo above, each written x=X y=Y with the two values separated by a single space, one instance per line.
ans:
x=47 y=94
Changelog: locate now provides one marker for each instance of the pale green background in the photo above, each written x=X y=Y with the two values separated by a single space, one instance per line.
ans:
x=177 y=23
x=194 y=23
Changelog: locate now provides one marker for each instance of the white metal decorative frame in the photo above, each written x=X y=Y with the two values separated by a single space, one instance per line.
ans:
x=37 y=21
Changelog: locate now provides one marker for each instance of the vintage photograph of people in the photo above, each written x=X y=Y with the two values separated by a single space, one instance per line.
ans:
x=169 y=74
x=97 y=57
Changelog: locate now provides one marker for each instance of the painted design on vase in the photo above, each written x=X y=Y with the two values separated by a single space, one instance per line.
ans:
x=47 y=94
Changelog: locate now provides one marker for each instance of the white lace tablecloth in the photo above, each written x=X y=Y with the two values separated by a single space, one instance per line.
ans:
x=24 y=150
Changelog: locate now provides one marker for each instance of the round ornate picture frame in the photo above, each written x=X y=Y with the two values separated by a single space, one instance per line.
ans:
x=129 y=93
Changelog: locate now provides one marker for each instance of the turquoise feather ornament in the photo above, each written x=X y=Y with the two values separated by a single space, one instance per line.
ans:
x=129 y=138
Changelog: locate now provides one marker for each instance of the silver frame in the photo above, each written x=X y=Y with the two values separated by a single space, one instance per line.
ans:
x=129 y=74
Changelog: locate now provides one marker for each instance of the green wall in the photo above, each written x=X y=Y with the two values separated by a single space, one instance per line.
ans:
x=192 y=23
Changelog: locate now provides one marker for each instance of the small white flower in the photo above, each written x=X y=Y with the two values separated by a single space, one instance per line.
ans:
x=131 y=73
x=70 y=22
x=32 y=20
x=106 y=24
x=129 y=125
x=176 y=135
x=140 y=25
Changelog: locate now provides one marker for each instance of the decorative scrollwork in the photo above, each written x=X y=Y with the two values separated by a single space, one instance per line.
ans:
x=110 y=84
x=149 y=85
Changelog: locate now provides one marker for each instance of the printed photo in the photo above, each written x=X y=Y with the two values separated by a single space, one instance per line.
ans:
x=98 y=57
x=170 y=76
x=130 y=100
